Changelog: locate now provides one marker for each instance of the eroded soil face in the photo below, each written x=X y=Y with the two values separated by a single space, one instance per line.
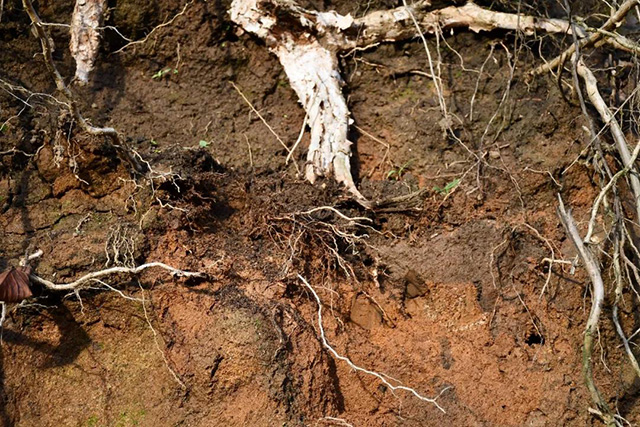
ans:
x=444 y=294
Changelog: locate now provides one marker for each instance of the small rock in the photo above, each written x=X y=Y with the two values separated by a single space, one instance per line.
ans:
x=415 y=286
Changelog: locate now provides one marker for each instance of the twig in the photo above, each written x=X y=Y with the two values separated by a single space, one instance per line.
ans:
x=381 y=377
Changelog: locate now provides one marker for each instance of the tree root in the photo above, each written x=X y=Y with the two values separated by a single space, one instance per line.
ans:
x=47 y=50
x=82 y=282
x=380 y=376
x=85 y=38
x=597 y=294
x=307 y=42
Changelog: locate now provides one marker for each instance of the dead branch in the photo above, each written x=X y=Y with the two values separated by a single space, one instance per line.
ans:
x=47 y=51
x=380 y=376
x=597 y=295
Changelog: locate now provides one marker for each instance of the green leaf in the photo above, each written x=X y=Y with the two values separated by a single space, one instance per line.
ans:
x=447 y=188
x=154 y=142
x=203 y=143
x=450 y=186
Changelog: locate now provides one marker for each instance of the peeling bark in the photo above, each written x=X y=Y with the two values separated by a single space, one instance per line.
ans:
x=85 y=37
x=306 y=43
x=312 y=69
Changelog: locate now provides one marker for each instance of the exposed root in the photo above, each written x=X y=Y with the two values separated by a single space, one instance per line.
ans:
x=85 y=38
x=307 y=42
x=380 y=376
x=157 y=342
x=597 y=294
x=82 y=282
x=327 y=239
x=273 y=132
x=47 y=51
x=164 y=24
x=609 y=25
x=609 y=119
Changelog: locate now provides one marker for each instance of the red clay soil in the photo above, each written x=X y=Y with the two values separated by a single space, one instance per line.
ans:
x=444 y=295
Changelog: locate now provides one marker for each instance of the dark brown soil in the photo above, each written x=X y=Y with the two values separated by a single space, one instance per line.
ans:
x=444 y=294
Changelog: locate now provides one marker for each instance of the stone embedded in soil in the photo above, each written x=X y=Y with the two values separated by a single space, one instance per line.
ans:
x=364 y=313
x=415 y=286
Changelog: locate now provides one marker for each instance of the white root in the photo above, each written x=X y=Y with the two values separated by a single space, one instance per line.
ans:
x=306 y=43
x=396 y=24
x=312 y=70
x=597 y=295
x=591 y=85
x=81 y=282
x=85 y=37
x=380 y=376
x=313 y=73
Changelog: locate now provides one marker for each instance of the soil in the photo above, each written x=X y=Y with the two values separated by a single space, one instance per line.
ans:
x=452 y=295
